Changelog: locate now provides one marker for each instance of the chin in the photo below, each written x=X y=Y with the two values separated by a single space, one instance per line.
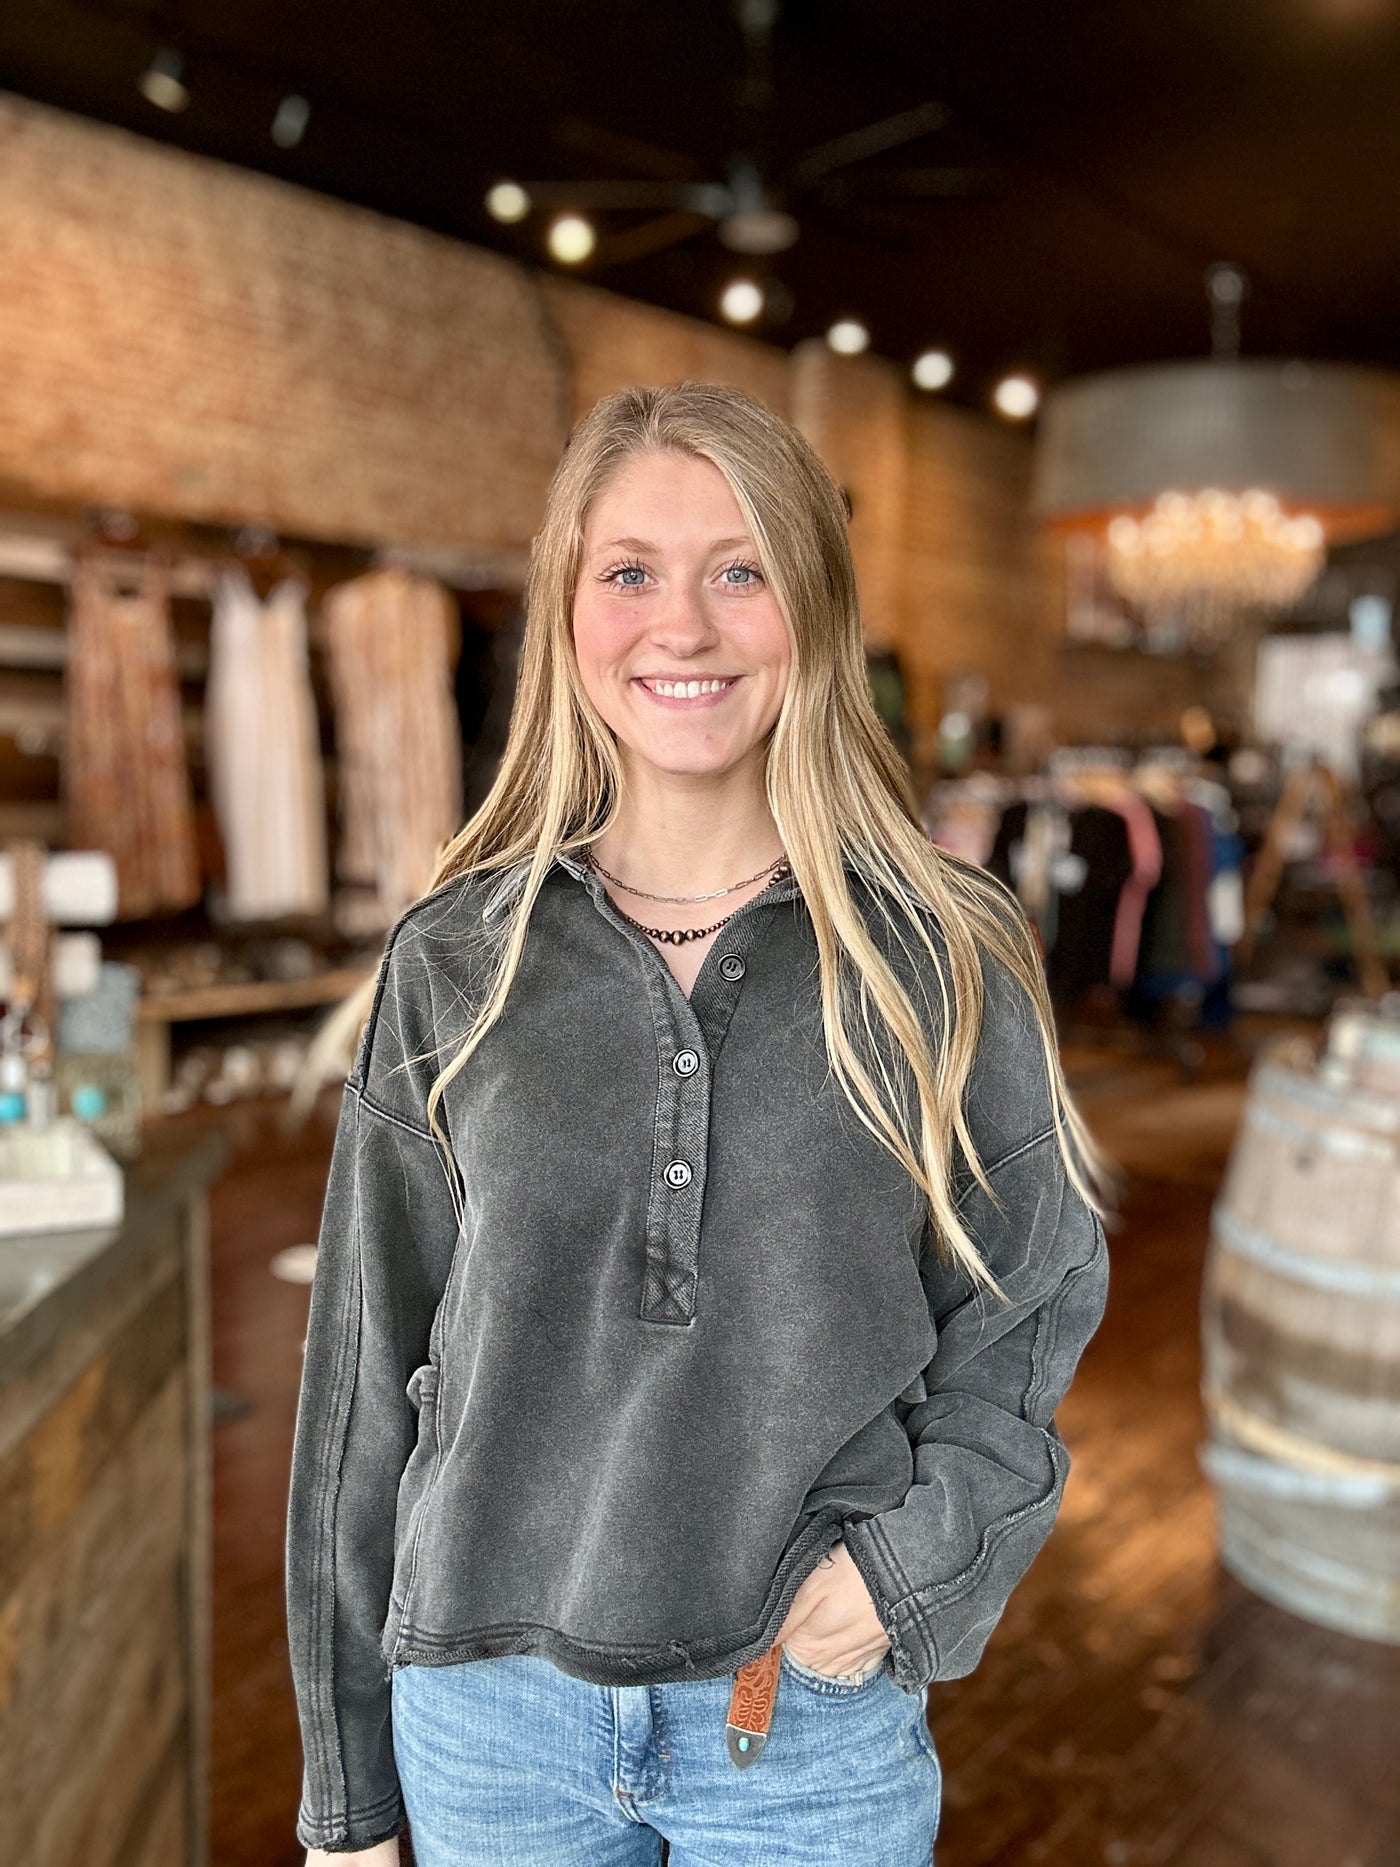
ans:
x=677 y=767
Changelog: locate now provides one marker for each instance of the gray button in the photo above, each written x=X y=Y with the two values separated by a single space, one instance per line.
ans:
x=678 y=1173
x=731 y=967
x=685 y=1063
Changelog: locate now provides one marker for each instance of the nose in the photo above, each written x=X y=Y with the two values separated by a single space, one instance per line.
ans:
x=683 y=624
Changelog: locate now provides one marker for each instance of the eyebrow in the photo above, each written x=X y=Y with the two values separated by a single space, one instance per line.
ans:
x=645 y=544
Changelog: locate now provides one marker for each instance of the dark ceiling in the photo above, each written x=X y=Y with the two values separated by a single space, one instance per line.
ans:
x=1096 y=156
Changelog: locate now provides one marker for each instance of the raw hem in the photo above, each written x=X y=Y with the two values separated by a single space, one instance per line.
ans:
x=666 y=1664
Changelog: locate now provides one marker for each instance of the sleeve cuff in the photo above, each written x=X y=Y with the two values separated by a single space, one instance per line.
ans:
x=365 y=1828
x=913 y=1656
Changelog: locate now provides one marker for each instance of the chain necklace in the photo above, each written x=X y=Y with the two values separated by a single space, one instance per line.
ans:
x=779 y=862
x=677 y=936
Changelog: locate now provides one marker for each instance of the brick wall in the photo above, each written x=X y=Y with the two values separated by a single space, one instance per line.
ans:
x=193 y=340
x=200 y=343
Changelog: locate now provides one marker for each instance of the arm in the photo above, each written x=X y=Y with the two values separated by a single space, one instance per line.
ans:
x=387 y=1236
x=989 y=1463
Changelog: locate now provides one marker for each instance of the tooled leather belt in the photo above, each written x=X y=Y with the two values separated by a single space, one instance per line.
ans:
x=751 y=1707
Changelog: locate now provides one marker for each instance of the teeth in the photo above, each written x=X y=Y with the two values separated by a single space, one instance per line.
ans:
x=685 y=690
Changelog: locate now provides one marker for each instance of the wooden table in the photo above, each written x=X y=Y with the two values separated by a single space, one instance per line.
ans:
x=105 y=1526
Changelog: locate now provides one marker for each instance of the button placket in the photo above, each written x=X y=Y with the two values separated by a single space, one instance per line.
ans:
x=689 y=1032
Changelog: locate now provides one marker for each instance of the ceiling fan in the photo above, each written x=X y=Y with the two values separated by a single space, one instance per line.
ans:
x=751 y=210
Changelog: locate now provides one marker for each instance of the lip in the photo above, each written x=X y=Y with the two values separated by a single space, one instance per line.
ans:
x=686 y=703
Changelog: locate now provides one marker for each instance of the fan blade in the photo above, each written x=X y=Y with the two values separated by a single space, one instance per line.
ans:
x=708 y=198
x=653 y=236
x=625 y=152
x=888 y=133
x=860 y=221
x=950 y=184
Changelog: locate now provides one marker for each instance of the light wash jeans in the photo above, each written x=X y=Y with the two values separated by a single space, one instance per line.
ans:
x=512 y=1762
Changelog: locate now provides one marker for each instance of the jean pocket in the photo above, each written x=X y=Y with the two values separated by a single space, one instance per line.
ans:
x=835 y=1684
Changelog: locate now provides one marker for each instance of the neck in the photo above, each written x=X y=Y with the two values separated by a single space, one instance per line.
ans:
x=682 y=833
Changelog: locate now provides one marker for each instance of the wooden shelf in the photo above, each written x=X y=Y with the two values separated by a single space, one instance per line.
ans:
x=246 y=1000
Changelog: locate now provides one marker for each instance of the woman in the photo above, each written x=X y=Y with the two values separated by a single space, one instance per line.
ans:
x=711 y=1303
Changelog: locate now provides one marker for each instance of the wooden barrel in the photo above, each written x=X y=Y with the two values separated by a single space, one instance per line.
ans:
x=1363 y=1045
x=1300 y=1338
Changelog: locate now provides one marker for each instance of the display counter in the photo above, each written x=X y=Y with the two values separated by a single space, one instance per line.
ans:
x=105 y=1525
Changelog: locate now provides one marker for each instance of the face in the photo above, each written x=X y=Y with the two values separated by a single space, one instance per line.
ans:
x=670 y=593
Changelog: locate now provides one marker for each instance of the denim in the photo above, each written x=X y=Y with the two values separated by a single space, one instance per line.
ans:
x=512 y=1763
x=691 y=1332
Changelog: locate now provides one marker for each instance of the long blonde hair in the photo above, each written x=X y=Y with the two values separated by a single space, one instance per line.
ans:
x=836 y=785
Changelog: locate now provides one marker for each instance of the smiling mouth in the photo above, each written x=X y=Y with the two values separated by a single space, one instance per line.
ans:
x=707 y=689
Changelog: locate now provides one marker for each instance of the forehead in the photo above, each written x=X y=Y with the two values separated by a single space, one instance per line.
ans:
x=665 y=500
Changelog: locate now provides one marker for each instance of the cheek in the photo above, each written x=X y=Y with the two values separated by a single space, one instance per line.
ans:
x=776 y=651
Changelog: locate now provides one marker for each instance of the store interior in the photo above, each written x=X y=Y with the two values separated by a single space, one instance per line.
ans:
x=1094 y=313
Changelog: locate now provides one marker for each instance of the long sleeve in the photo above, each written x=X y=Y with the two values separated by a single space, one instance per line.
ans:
x=387 y=1236
x=989 y=1463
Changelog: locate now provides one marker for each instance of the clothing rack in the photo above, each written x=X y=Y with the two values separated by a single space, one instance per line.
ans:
x=1147 y=935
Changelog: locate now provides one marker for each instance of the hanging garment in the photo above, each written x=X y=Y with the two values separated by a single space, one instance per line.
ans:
x=392 y=640
x=1091 y=879
x=126 y=780
x=263 y=749
x=1145 y=847
x=1031 y=853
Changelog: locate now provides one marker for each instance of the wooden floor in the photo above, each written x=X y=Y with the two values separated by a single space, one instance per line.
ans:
x=1137 y=1705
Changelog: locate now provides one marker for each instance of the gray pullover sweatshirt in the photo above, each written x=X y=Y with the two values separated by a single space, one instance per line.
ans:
x=690 y=1333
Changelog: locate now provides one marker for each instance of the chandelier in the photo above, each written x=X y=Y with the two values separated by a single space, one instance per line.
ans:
x=1197 y=561
x=1212 y=489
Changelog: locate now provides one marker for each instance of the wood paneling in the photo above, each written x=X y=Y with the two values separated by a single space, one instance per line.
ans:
x=104 y=1537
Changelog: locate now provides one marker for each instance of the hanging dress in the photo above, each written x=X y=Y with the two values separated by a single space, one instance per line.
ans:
x=126 y=780
x=392 y=638
x=263 y=751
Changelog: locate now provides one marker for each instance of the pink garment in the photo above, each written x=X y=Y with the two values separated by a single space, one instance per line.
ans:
x=1145 y=852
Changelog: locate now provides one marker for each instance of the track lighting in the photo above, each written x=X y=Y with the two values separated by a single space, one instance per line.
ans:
x=571 y=239
x=741 y=301
x=848 y=337
x=933 y=370
x=1017 y=397
x=507 y=201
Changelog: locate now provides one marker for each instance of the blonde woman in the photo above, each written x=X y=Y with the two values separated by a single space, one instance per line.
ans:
x=709 y=1240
